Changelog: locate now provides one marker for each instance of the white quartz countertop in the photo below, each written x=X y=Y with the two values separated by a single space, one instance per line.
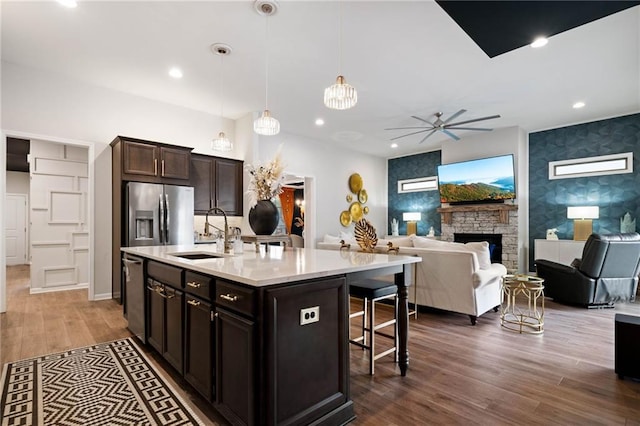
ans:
x=277 y=265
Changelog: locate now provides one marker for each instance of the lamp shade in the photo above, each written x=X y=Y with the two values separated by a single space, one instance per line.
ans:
x=583 y=212
x=411 y=216
x=221 y=143
x=266 y=124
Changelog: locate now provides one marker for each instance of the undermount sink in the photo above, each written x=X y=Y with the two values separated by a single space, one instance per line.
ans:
x=195 y=255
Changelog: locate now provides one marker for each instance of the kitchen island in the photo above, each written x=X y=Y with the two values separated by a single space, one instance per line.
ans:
x=263 y=335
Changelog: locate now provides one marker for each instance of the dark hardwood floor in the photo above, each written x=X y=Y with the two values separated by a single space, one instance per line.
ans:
x=458 y=373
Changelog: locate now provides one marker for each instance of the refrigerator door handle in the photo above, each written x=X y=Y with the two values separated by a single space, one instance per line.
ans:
x=167 y=224
x=162 y=219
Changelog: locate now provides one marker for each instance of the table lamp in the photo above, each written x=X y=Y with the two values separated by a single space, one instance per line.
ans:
x=582 y=224
x=412 y=218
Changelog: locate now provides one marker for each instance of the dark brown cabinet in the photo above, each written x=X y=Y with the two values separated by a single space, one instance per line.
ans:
x=199 y=354
x=217 y=182
x=236 y=367
x=137 y=160
x=164 y=319
x=165 y=311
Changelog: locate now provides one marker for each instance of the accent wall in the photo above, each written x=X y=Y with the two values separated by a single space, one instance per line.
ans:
x=614 y=194
x=425 y=202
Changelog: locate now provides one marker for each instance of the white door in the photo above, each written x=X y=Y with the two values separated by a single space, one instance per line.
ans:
x=16 y=229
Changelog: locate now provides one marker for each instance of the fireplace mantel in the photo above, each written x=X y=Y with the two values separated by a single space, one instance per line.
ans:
x=503 y=209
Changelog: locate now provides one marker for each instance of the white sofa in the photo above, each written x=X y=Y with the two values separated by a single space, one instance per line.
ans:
x=452 y=276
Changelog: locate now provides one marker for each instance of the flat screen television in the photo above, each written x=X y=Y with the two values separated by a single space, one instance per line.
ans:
x=485 y=180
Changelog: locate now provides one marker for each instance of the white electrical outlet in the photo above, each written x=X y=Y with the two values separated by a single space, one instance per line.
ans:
x=309 y=315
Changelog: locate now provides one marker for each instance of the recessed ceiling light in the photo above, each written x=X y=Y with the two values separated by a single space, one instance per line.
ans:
x=539 y=42
x=175 y=72
x=319 y=122
x=394 y=145
x=578 y=105
x=68 y=3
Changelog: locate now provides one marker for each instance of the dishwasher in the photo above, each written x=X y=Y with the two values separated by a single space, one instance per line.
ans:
x=133 y=279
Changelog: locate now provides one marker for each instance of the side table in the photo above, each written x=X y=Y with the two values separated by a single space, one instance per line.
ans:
x=522 y=318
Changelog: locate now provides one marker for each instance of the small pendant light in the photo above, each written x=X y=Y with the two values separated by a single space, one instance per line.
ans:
x=266 y=124
x=340 y=95
x=221 y=143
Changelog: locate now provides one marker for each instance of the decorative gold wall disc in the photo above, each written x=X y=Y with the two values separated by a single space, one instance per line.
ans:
x=355 y=183
x=356 y=211
x=345 y=218
x=362 y=196
x=365 y=209
x=349 y=198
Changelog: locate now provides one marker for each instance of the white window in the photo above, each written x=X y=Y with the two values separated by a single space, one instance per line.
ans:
x=429 y=183
x=592 y=166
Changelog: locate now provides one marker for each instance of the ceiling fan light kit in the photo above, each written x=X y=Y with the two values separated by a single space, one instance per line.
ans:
x=444 y=126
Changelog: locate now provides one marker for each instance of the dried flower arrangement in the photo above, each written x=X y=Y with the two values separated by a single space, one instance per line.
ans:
x=265 y=181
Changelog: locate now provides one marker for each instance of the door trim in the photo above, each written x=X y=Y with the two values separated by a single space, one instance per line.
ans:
x=25 y=197
x=91 y=157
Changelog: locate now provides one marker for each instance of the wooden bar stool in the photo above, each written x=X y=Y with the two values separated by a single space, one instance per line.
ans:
x=372 y=291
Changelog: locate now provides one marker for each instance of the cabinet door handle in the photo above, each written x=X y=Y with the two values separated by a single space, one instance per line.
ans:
x=194 y=284
x=229 y=297
x=162 y=167
x=214 y=315
x=155 y=166
x=193 y=302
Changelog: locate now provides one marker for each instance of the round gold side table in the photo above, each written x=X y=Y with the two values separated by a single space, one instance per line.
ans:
x=519 y=317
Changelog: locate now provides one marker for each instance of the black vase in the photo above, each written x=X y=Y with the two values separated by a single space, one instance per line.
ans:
x=263 y=217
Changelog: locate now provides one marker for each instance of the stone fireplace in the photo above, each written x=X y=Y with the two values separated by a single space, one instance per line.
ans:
x=495 y=219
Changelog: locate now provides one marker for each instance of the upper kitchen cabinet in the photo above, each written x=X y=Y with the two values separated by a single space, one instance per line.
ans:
x=147 y=161
x=217 y=182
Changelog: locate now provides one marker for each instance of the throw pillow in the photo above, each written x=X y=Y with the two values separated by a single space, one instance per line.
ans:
x=330 y=239
x=423 y=242
x=481 y=249
x=348 y=237
x=402 y=242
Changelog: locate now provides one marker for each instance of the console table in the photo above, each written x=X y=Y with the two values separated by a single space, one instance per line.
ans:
x=560 y=251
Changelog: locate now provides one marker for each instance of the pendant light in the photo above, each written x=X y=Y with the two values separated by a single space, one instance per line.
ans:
x=222 y=142
x=340 y=95
x=266 y=124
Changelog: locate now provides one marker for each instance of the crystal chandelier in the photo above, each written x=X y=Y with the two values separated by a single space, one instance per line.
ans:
x=340 y=95
x=266 y=125
x=222 y=142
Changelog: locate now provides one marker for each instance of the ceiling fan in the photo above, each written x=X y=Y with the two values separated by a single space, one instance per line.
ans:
x=444 y=126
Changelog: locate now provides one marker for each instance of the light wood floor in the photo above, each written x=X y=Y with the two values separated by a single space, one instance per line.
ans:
x=458 y=374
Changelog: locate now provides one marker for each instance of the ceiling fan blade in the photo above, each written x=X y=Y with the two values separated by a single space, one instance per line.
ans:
x=424 y=120
x=470 y=128
x=409 y=134
x=462 y=111
x=428 y=134
x=474 y=120
x=402 y=128
x=451 y=135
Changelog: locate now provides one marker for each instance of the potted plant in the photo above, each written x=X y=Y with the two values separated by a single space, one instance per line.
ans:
x=265 y=182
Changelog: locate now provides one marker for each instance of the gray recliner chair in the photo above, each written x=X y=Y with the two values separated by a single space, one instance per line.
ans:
x=606 y=273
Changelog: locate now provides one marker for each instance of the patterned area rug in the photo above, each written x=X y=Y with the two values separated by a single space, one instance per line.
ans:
x=106 y=384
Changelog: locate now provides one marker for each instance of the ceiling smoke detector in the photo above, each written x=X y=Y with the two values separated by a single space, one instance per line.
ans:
x=221 y=49
x=266 y=7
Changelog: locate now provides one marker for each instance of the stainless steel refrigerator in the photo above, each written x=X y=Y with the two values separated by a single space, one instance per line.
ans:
x=158 y=214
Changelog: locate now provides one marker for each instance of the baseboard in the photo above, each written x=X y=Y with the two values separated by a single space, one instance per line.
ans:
x=103 y=296
x=60 y=288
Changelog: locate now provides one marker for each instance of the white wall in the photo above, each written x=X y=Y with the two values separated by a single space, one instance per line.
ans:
x=510 y=140
x=41 y=103
x=17 y=183
x=53 y=105
x=330 y=170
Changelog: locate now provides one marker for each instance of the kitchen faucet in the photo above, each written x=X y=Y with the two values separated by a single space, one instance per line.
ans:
x=227 y=242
